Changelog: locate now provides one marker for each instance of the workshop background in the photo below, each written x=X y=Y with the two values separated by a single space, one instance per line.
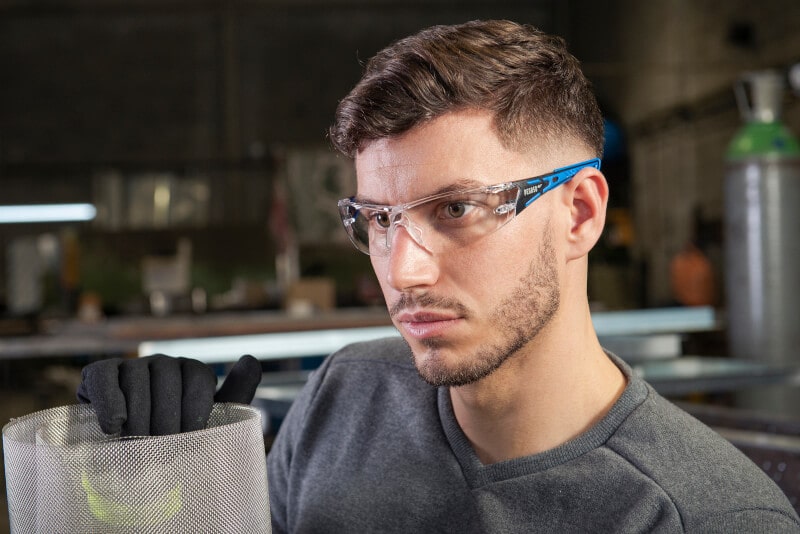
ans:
x=197 y=131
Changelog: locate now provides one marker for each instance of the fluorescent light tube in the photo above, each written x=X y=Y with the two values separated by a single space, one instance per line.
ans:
x=37 y=213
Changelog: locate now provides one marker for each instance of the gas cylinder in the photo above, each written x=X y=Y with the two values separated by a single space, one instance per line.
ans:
x=762 y=227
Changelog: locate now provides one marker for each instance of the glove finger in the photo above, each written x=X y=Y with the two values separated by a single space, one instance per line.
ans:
x=134 y=380
x=165 y=395
x=199 y=384
x=100 y=388
x=241 y=382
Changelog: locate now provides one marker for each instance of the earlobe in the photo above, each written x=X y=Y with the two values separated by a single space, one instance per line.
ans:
x=588 y=199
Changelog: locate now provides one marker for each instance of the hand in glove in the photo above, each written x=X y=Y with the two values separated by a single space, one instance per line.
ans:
x=158 y=395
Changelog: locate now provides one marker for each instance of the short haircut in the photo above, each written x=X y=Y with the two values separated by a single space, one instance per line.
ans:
x=526 y=78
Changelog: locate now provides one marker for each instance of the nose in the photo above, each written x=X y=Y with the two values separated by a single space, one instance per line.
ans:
x=409 y=263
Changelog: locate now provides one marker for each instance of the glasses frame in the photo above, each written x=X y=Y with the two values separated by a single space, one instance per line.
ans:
x=529 y=190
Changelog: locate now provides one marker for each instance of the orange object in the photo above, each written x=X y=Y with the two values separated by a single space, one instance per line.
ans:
x=692 y=278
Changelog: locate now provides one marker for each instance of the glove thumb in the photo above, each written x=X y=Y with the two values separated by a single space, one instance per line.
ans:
x=241 y=382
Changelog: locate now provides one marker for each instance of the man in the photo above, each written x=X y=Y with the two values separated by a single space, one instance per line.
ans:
x=479 y=197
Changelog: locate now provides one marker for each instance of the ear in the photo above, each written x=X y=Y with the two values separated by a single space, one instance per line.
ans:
x=587 y=199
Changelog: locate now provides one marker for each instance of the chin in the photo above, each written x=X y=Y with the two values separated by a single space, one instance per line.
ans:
x=435 y=368
x=431 y=363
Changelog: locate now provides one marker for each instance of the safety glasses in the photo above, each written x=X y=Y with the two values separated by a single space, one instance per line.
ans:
x=446 y=221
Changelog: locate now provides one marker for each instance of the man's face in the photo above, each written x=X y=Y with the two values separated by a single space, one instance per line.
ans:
x=464 y=310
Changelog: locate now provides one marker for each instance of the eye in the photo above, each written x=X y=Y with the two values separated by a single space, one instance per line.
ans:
x=456 y=210
x=381 y=218
x=462 y=210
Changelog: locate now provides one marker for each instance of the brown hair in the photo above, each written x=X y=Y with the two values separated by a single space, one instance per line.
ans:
x=526 y=78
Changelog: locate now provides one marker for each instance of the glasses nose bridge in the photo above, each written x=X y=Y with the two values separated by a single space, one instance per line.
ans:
x=400 y=217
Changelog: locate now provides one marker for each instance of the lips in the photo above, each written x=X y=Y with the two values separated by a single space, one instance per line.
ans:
x=426 y=324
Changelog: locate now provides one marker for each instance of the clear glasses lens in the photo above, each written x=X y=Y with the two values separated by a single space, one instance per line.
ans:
x=437 y=224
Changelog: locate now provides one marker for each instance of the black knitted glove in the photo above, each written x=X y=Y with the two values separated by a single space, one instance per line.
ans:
x=158 y=395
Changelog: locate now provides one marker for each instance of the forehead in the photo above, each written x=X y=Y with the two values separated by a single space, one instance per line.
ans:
x=457 y=148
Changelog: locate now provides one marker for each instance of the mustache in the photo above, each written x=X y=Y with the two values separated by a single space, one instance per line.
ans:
x=409 y=301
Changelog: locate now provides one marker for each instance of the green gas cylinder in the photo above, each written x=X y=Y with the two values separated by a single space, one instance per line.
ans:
x=762 y=227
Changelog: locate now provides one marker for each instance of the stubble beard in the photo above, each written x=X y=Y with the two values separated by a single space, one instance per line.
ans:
x=518 y=319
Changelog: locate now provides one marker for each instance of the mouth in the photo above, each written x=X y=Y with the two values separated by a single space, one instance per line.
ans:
x=426 y=324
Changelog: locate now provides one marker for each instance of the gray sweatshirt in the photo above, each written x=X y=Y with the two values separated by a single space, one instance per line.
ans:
x=370 y=447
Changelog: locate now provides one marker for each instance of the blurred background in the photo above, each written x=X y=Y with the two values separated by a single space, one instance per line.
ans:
x=191 y=135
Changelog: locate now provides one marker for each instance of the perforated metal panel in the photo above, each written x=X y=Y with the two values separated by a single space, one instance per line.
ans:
x=64 y=475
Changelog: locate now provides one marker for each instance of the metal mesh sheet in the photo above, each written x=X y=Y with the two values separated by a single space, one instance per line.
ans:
x=64 y=475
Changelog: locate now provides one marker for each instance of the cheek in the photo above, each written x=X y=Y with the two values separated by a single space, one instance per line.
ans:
x=485 y=273
x=502 y=263
x=478 y=276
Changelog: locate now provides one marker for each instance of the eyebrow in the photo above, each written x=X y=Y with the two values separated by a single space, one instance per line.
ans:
x=458 y=185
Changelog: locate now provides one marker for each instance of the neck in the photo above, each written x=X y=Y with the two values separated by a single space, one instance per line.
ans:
x=551 y=391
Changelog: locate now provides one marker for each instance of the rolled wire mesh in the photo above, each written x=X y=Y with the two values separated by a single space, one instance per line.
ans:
x=64 y=475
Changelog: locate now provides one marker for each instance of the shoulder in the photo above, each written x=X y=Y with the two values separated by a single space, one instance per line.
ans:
x=705 y=476
x=359 y=386
x=374 y=367
x=360 y=371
